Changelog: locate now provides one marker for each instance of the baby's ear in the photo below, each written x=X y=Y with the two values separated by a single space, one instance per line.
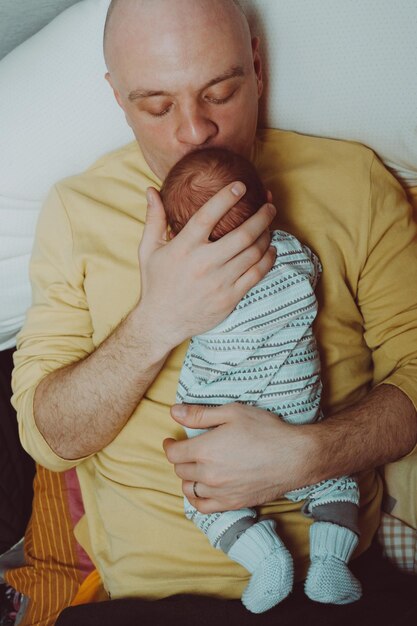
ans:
x=171 y=235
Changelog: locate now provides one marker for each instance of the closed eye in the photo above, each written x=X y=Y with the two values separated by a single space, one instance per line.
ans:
x=220 y=100
x=161 y=113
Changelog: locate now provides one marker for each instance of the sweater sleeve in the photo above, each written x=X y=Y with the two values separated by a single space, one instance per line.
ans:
x=58 y=328
x=387 y=289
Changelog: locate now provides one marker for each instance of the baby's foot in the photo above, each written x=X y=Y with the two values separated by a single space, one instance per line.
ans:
x=262 y=553
x=329 y=579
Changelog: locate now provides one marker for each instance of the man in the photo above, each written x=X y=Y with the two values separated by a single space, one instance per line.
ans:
x=100 y=354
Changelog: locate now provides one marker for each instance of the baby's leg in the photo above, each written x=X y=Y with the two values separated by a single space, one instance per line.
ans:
x=333 y=504
x=255 y=546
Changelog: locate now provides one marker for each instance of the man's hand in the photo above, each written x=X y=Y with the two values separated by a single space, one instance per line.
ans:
x=236 y=463
x=190 y=284
x=252 y=456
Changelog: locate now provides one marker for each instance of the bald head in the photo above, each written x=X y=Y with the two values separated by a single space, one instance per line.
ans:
x=120 y=9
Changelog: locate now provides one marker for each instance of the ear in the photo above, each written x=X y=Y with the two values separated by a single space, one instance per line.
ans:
x=115 y=91
x=257 y=64
x=118 y=97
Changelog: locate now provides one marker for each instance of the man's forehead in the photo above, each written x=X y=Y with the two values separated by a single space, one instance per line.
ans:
x=151 y=20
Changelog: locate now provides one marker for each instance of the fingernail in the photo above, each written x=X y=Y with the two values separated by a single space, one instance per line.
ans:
x=238 y=189
x=272 y=210
x=149 y=197
x=179 y=410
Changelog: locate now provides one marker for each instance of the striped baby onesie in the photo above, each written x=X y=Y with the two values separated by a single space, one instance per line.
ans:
x=265 y=354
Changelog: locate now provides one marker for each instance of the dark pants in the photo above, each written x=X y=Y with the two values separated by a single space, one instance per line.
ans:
x=389 y=599
x=16 y=467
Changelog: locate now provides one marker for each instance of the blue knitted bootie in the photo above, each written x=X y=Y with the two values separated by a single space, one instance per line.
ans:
x=329 y=579
x=262 y=553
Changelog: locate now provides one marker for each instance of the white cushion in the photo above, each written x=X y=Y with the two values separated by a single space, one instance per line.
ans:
x=344 y=70
x=58 y=116
x=336 y=69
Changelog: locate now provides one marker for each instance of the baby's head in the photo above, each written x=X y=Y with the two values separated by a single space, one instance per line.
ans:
x=201 y=174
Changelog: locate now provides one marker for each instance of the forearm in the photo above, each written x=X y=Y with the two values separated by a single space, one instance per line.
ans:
x=81 y=408
x=250 y=456
x=379 y=429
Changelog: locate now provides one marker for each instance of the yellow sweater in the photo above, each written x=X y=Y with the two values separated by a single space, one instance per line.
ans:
x=336 y=198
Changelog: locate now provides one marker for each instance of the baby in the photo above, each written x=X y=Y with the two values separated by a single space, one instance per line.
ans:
x=264 y=354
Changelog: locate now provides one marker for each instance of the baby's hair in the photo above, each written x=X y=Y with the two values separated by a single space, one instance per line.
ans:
x=201 y=174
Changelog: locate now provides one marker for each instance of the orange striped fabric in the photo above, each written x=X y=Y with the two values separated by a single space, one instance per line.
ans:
x=52 y=577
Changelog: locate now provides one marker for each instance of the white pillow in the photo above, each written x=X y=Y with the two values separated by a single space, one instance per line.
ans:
x=57 y=116
x=345 y=70
x=336 y=69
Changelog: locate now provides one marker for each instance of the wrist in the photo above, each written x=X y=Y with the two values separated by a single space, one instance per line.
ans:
x=309 y=446
x=299 y=457
x=330 y=452
x=147 y=331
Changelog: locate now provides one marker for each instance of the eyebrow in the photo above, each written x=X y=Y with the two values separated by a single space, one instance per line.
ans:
x=233 y=72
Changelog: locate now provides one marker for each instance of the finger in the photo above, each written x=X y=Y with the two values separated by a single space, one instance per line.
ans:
x=178 y=452
x=205 y=219
x=240 y=264
x=188 y=490
x=244 y=235
x=199 y=416
x=204 y=491
x=208 y=505
x=269 y=196
x=255 y=273
x=189 y=471
x=154 y=233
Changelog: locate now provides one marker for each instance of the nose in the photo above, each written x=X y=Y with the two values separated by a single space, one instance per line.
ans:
x=195 y=128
